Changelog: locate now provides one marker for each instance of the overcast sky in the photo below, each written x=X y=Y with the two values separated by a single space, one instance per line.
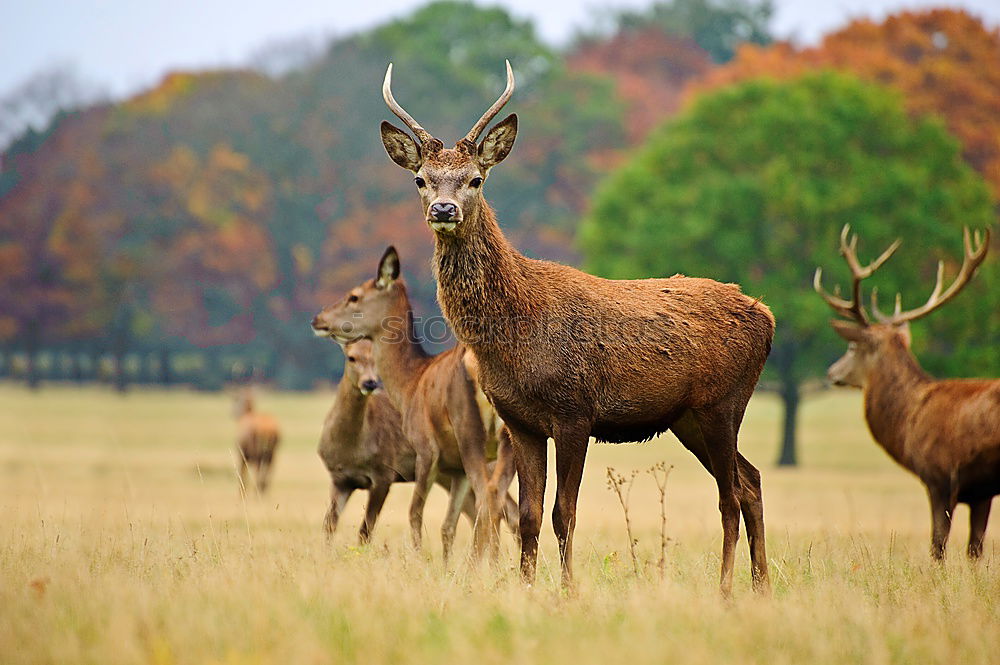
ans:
x=125 y=45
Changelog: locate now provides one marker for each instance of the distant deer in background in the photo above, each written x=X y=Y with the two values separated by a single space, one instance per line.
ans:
x=946 y=432
x=568 y=355
x=256 y=440
x=363 y=447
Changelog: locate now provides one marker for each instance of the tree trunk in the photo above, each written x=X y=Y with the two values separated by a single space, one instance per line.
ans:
x=31 y=350
x=165 y=377
x=790 y=396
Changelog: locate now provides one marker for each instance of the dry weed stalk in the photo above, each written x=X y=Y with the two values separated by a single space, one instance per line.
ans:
x=660 y=472
x=622 y=487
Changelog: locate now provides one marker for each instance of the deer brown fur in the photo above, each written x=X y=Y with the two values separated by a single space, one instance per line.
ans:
x=363 y=447
x=567 y=355
x=452 y=432
x=946 y=432
x=256 y=440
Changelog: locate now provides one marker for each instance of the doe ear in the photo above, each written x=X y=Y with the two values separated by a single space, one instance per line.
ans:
x=498 y=142
x=388 y=268
x=849 y=330
x=401 y=147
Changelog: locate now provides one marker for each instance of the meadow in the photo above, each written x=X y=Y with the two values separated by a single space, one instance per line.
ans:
x=124 y=540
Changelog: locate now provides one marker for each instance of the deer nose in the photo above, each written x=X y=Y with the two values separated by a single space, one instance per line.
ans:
x=317 y=324
x=443 y=211
x=369 y=385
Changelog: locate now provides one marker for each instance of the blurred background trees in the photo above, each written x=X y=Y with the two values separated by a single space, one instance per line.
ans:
x=188 y=233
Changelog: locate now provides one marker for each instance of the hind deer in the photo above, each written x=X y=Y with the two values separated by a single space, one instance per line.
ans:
x=363 y=447
x=450 y=426
x=256 y=440
x=946 y=432
x=567 y=355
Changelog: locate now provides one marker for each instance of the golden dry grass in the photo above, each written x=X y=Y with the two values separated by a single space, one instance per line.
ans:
x=124 y=541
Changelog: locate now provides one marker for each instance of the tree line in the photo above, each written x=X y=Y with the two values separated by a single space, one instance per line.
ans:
x=188 y=233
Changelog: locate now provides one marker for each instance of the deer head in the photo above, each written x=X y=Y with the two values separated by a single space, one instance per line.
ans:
x=449 y=180
x=359 y=366
x=368 y=310
x=242 y=402
x=868 y=342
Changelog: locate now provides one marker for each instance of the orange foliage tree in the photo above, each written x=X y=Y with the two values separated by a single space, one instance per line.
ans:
x=944 y=62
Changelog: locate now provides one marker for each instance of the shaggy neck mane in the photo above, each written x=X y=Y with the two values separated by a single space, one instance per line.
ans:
x=889 y=398
x=482 y=287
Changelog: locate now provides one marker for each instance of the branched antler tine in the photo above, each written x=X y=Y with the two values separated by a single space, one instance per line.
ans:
x=422 y=134
x=882 y=318
x=841 y=306
x=492 y=111
x=974 y=255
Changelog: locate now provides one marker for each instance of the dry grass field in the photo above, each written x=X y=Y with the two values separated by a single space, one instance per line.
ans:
x=124 y=540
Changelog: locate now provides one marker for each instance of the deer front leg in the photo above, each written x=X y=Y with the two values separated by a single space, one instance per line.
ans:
x=457 y=495
x=376 y=499
x=425 y=470
x=942 y=509
x=571 y=453
x=338 y=501
x=530 y=453
x=978 y=518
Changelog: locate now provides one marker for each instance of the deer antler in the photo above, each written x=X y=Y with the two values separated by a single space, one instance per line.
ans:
x=976 y=247
x=852 y=309
x=422 y=134
x=492 y=111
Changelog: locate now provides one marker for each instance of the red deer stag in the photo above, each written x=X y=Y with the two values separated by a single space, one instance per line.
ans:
x=363 y=447
x=946 y=432
x=567 y=355
x=452 y=428
x=256 y=440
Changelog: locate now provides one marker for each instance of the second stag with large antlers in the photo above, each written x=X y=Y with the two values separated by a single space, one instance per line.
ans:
x=567 y=355
x=946 y=432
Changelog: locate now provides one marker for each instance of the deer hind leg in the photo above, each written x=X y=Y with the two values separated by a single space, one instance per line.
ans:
x=719 y=438
x=376 y=499
x=571 y=453
x=748 y=494
x=457 y=498
x=942 y=508
x=978 y=518
x=752 y=507
x=530 y=453
x=263 y=473
x=471 y=437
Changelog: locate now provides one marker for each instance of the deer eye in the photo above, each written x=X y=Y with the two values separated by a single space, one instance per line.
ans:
x=475 y=182
x=351 y=359
x=420 y=181
x=352 y=298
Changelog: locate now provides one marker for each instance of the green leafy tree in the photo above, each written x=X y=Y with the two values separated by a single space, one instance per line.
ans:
x=718 y=26
x=753 y=183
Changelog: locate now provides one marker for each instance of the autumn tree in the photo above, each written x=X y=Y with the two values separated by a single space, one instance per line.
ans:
x=943 y=61
x=752 y=184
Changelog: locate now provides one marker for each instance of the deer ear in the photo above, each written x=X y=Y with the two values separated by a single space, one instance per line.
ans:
x=401 y=147
x=388 y=268
x=498 y=142
x=849 y=330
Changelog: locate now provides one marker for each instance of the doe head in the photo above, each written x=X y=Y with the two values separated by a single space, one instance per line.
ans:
x=369 y=308
x=359 y=366
x=449 y=180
